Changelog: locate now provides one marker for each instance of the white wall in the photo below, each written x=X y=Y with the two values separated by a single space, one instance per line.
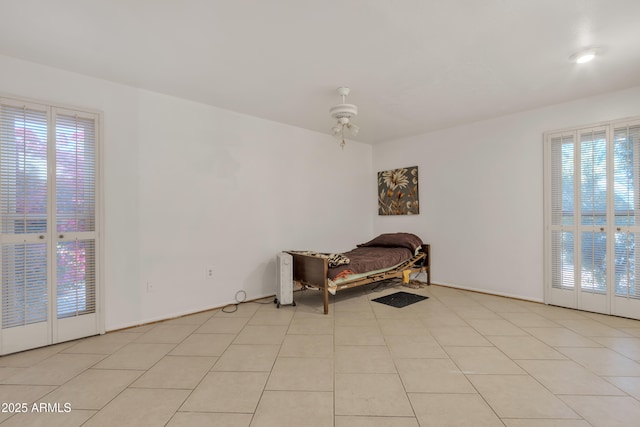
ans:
x=188 y=186
x=229 y=191
x=481 y=193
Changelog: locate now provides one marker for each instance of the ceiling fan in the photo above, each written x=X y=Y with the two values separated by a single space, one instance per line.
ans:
x=343 y=113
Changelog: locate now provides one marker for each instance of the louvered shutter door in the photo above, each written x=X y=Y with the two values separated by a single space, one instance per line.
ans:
x=593 y=210
x=592 y=218
x=48 y=224
x=562 y=216
x=75 y=215
x=23 y=211
x=627 y=209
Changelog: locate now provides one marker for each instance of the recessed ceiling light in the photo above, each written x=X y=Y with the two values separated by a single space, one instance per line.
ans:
x=584 y=56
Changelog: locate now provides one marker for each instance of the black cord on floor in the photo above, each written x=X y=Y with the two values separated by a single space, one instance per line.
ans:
x=235 y=308
x=243 y=296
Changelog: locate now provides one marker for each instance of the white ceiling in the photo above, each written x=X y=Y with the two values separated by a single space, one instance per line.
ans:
x=413 y=65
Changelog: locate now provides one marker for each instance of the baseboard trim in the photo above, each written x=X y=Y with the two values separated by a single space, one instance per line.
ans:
x=219 y=307
x=181 y=314
x=484 y=291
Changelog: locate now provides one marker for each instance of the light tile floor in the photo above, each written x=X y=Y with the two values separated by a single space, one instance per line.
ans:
x=457 y=359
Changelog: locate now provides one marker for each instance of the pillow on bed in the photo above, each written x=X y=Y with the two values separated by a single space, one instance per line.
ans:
x=395 y=240
x=337 y=259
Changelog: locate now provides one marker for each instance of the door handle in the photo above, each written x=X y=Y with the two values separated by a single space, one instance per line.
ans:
x=601 y=229
x=61 y=236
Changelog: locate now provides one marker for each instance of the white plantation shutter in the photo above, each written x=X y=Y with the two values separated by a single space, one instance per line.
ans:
x=76 y=286
x=626 y=140
x=24 y=284
x=593 y=273
x=75 y=173
x=23 y=173
x=626 y=280
x=23 y=213
x=75 y=215
x=562 y=212
x=562 y=169
x=593 y=170
x=563 y=274
x=593 y=210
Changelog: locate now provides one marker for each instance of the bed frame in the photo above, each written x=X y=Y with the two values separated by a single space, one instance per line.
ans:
x=312 y=271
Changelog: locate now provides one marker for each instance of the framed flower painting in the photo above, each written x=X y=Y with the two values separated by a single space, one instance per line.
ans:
x=398 y=192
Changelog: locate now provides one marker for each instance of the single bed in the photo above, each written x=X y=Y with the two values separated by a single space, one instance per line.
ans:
x=385 y=257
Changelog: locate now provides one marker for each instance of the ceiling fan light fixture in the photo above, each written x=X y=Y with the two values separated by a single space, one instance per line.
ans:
x=343 y=113
x=337 y=131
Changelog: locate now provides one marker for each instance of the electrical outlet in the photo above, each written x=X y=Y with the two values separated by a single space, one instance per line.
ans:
x=150 y=287
x=209 y=272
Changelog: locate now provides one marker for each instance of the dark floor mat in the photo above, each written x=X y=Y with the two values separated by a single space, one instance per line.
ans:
x=400 y=299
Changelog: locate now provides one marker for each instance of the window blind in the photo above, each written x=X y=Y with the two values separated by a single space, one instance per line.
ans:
x=23 y=170
x=23 y=214
x=562 y=211
x=75 y=215
x=593 y=210
x=626 y=140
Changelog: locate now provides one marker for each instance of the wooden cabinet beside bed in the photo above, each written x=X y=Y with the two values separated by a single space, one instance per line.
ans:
x=314 y=271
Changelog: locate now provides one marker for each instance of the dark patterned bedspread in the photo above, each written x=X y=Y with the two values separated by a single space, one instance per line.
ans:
x=365 y=259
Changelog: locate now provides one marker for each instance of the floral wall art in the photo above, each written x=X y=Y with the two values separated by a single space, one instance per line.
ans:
x=398 y=192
